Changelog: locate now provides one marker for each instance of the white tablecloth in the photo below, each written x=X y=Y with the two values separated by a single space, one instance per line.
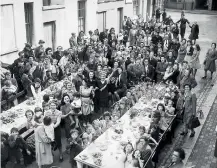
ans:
x=114 y=157
x=21 y=108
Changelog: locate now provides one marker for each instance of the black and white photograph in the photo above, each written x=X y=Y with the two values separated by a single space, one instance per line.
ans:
x=108 y=83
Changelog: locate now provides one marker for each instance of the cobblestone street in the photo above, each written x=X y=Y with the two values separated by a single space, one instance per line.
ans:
x=202 y=154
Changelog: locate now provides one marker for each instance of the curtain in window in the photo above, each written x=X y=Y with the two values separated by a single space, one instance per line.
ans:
x=8 y=40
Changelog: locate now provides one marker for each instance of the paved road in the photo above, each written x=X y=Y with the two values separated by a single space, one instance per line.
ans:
x=202 y=154
x=208 y=24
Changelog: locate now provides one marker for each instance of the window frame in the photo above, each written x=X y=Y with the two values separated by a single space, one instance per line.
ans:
x=82 y=17
x=14 y=49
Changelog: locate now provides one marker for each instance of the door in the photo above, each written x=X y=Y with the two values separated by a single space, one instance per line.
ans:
x=148 y=9
x=101 y=18
x=120 y=19
x=50 y=34
x=28 y=9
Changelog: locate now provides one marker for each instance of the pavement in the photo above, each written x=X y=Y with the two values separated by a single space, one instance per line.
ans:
x=196 y=154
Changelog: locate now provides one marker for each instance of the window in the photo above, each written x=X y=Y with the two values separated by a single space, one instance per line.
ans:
x=81 y=16
x=8 y=40
x=53 y=2
x=28 y=7
x=135 y=7
x=101 y=21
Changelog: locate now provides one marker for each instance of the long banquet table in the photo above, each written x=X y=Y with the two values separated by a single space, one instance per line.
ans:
x=20 y=120
x=110 y=144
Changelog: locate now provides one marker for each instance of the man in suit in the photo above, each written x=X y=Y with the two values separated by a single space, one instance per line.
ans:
x=152 y=60
x=183 y=22
x=174 y=46
x=148 y=70
x=39 y=50
x=121 y=83
x=58 y=54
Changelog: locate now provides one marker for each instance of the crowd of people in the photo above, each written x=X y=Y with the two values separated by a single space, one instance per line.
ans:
x=109 y=67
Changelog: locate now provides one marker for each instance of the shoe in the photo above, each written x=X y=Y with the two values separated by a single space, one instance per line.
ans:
x=204 y=77
x=192 y=134
x=61 y=159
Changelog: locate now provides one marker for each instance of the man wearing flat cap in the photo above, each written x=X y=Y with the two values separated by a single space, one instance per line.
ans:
x=39 y=51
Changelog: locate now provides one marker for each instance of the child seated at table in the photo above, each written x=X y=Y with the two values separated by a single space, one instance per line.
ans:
x=85 y=140
x=90 y=132
x=142 y=133
x=16 y=145
x=75 y=146
x=106 y=123
x=76 y=105
x=97 y=127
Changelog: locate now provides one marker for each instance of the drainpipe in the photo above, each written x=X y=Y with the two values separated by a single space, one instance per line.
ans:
x=143 y=8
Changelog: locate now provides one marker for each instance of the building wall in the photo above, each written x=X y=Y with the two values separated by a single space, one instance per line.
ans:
x=65 y=17
x=66 y=20
x=111 y=9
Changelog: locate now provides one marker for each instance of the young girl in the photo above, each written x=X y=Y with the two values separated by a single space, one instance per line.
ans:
x=75 y=145
x=76 y=105
x=85 y=140
x=106 y=123
x=98 y=128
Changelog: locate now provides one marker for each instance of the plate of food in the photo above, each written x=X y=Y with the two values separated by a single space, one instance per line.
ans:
x=116 y=137
x=97 y=155
x=123 y=143
x=103 y=147
x=84 y=157
x=98 y=162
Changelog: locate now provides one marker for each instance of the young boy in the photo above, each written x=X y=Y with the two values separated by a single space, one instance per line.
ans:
x=16 y=145
x=75 y=145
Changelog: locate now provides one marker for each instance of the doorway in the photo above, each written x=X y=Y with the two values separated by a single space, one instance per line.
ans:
x=28 y=9
x=50 y=34
x=101 y=21
x=120 y=19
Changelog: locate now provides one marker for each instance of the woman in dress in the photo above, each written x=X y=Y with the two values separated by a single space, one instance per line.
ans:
x=103 y=94
x=195 y=62
x=189 y=51
x=56 y=116
x=132 y=35
x=194 y=32
x=86 y=102
x=209 y=63
x=66 y=109
x=189 y=109
x=182 y=51
x=43 y=146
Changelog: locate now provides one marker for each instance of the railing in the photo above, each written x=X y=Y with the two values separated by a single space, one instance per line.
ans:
x=106 y=1
x=162 y=136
